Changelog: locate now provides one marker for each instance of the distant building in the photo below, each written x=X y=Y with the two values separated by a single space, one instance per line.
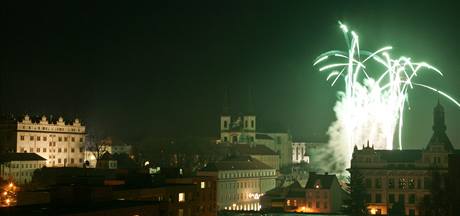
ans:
x=116 y=146
x=107 y=161
x=284 y=199
x=299 y=153
x=323 y=194
x=404 y=175
x=20 y=167
x=60 y=143
x=242 y=130
x=205 y=193
x=240 y=182
x=183 y=196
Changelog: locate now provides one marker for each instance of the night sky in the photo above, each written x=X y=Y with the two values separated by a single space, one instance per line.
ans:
x=160 y=69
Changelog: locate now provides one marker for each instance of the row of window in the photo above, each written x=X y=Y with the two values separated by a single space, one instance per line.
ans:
x=51 y=129
x=59 y=150
x=401 y=183
x=72 y=161
x=25 y=166
x=237 y=196
x=317 y=195
x=411 y=198
x=39 y=138
x=318 y=204
x=246 y=124
x=294 y=202
x=238 y=185
x=247 y=174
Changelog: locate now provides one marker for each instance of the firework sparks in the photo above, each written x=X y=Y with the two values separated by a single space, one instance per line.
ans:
x=371 y=106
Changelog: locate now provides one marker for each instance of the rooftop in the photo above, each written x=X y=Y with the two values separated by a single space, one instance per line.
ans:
x=246 y=149
x=237 y=163
x=8 y=157
x=324 y=180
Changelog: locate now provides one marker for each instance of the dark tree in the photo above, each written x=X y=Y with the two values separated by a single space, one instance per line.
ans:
x=437 y=204
x=356 y=203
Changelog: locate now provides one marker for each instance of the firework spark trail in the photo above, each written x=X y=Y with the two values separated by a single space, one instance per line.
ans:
x=371 y=106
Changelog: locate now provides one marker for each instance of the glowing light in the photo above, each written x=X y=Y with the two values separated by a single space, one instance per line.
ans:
x=370 y=108
x=255 y=195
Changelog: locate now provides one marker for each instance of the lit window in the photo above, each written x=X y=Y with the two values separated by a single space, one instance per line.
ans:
x=203 y=184
x=181 y=197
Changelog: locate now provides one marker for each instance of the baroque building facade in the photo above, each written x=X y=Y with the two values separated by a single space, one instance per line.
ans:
x=241 y=181
x=61 y=143
x=404 y=176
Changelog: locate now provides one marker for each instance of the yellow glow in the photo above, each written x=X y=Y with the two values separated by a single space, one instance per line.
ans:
x=11 y=185
x=181 y=197
x=4 y=193
x=373 y=211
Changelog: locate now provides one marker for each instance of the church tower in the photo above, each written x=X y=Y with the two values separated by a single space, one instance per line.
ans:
x=439 y=137
x=249 y=120
x=225 y=119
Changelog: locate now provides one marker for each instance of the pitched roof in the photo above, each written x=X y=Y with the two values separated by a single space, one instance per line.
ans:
x=325 y=181
x=294 y=190
x=247 y=149
x=8 y=157
x=237 y=163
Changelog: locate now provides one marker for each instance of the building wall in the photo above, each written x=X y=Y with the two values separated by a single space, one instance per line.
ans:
x=20 y=172
x=282 y=143
x=241 y=189
x=60 y=144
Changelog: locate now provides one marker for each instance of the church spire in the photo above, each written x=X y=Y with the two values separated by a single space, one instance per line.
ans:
x=250 y=105
x=439 y=136
x=226 y=103
x=439 y=125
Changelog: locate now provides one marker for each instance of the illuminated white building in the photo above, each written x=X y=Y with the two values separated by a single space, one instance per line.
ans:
x=60 y=143
x=240 y=182
x=299 y=152
x=20 y=167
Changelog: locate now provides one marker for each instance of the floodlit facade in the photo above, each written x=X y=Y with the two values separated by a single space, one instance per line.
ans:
x=20 y=167
x=240 y=182
x=60 y=143
x=299 y=153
